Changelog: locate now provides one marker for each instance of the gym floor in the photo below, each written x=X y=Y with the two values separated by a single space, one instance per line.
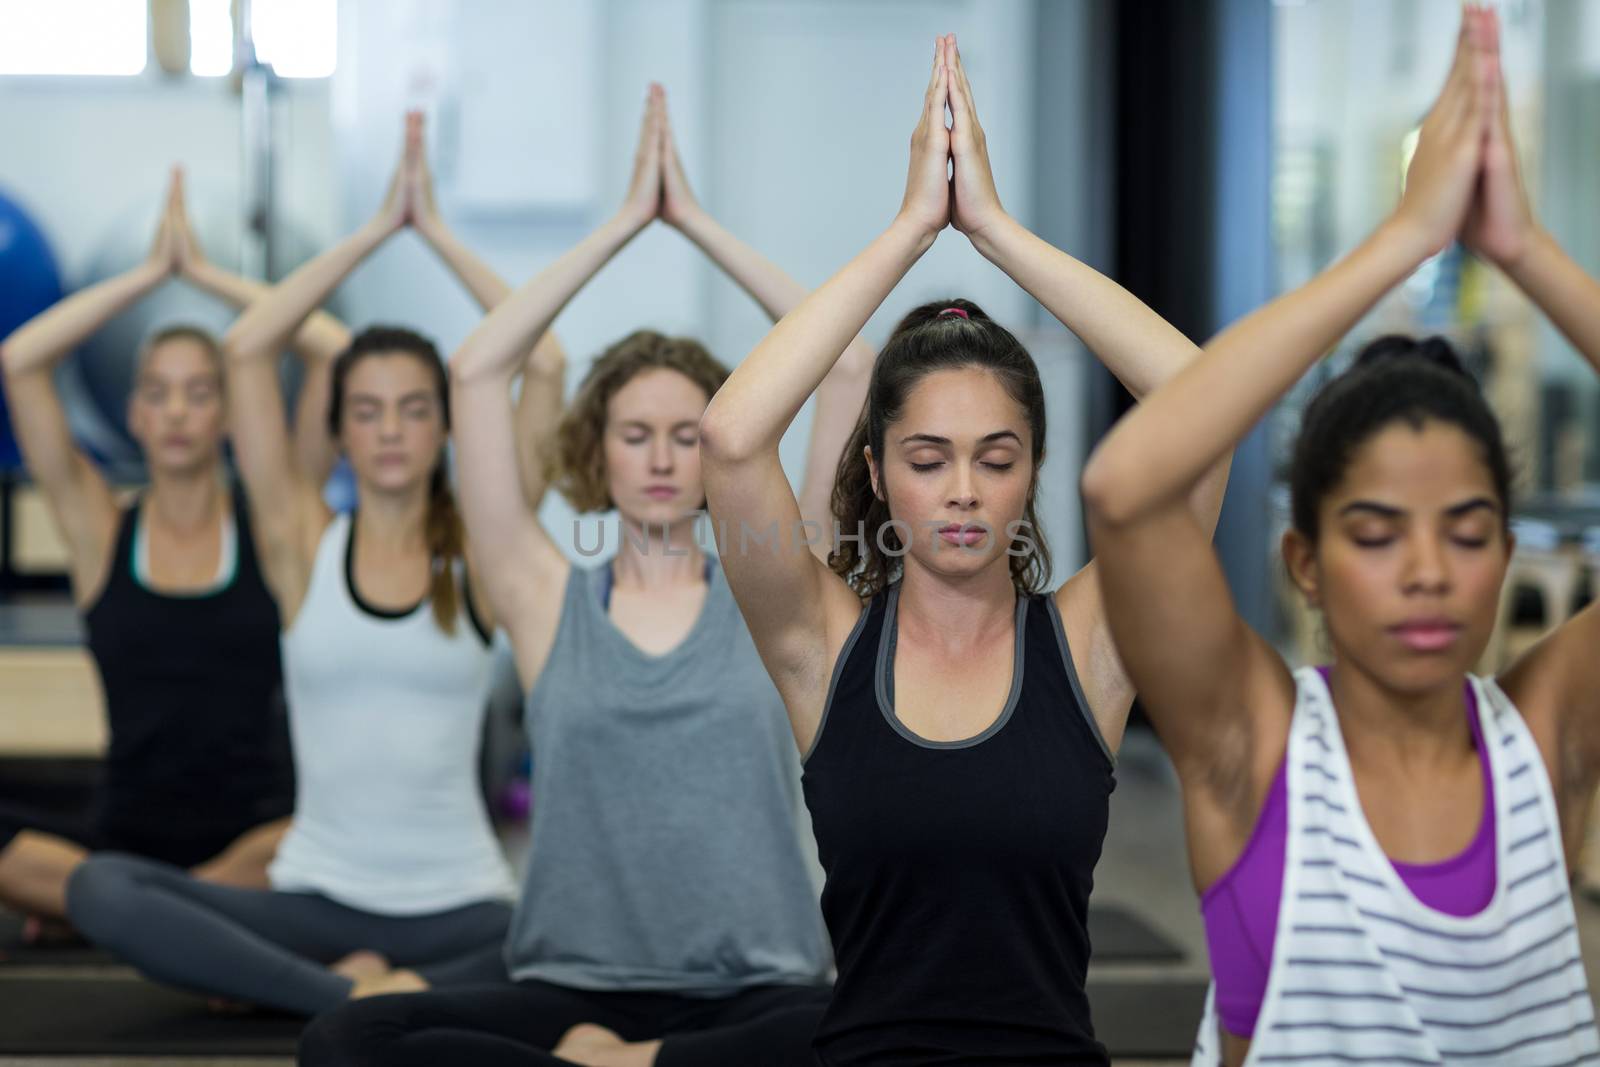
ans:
x=1143 y=869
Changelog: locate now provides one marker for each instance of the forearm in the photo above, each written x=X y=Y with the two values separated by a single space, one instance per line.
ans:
x=538 y=415
x=767 y=283
x=496 y=348
x=754 y=408
x=268 y=323
x=39 y=343
x=1563 y=291
x=480 y=279
x=322 y=337
x=1141 y=348
x=1165 y=445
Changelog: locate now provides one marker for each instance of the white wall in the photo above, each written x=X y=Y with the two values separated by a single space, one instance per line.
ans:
x=89 y=158
x=793 y=117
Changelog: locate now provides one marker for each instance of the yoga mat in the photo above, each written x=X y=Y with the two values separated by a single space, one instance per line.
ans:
x=123 y=1016
x=13 y=953
x=1116 y=935
x=116 y=1016
x=1152 y=1018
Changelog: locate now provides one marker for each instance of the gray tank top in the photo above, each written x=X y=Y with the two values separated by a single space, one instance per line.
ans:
x=666 y=850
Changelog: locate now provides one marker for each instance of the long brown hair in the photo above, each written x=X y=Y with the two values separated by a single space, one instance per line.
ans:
x=446 y=536
x=931 y=338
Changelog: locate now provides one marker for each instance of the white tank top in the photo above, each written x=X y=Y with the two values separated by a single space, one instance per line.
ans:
x=1364 y=972
x=386 y=713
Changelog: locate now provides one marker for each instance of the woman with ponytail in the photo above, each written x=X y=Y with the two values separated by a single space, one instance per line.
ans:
x=959 y=721
x=1381 y=844
x=390 y=877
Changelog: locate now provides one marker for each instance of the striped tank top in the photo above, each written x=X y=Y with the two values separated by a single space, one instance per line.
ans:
x=1364 y=972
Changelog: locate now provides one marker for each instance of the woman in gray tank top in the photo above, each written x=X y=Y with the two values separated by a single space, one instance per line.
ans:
x=668 y=913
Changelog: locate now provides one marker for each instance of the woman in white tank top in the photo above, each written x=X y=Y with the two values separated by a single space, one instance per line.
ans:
x=1419 y=821
x=391 y=862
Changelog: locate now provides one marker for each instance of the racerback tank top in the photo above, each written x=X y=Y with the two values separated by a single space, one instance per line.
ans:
x=199 y=749
x=958 y=873
x=387 y=716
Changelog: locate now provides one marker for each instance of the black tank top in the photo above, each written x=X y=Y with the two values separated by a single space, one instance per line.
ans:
x=199 y=747
x=958 y=873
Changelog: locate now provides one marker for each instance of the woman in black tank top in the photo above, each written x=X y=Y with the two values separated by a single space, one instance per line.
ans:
x=959 y=724
x=184 y=634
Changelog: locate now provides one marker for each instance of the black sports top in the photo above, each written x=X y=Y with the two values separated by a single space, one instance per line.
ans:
x=958 y=872
x=199 y=740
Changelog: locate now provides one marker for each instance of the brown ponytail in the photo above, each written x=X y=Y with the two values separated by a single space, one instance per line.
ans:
x=446 y=535
x=446 y=544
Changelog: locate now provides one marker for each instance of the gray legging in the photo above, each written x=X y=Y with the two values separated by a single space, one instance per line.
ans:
x=266 y=947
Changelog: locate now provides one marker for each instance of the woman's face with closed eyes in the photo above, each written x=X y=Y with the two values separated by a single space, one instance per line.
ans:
x=1410 y=557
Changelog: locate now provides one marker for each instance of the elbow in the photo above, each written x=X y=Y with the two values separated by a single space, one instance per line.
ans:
x=1109 y=497
x=476 y=363
x=721 y=442
x=15 y=363
x=238 y=346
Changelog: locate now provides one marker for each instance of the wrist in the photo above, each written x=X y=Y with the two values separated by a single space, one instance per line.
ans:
x=1407 y=240
x=431 y=229
x=152 y=273
x=630 y=220
x=918 y=233
x=991 y=237
x=200 y=273
x=689 y=220
x=377 y=230
x=1535 y=246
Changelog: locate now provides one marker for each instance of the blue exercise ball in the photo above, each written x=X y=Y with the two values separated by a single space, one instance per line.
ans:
x=29 y=283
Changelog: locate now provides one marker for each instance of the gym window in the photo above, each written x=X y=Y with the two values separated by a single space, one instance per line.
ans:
x=296 y=38
x=74 y=37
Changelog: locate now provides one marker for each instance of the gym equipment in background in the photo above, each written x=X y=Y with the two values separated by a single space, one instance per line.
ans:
x=29 y=283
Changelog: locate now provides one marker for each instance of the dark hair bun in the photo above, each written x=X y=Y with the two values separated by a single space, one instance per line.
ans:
x=954 y=309
x=1389 y=350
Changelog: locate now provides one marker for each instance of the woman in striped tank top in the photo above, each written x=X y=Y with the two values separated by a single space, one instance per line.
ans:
x=1382 y=845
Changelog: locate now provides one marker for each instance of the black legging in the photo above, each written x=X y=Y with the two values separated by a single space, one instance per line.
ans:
x=516 y=1025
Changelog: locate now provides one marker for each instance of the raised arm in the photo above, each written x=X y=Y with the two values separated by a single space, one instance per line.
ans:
x=1501 y=227
x=1138 y=346
x=1554 y=683
x=842 y=392
x=1218 y=694
x=79 y=499
x=535 y=415
x=289 y=514
x=797 y=609
x=528 y=571
x=317 y=342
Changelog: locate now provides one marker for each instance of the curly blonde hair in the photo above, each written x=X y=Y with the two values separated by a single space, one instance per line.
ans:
x=577 y=467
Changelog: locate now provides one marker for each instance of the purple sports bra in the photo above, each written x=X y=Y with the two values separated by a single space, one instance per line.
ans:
x=1241 y=909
